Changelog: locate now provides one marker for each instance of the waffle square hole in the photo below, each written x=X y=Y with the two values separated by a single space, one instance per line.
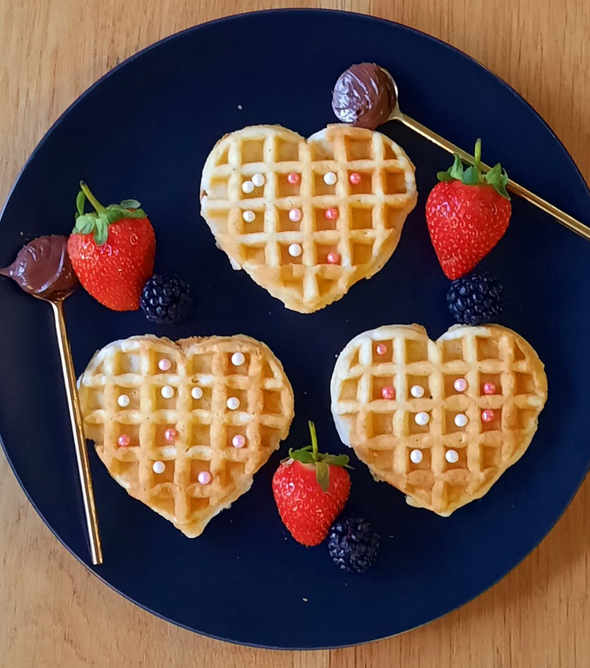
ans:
x=234 y=430
x=361 y=253
x=487 y=349
x=129 y=363
x=382 y=352
x=286 y=189
x=364 y=186
x=96 y=399
x=388 y=152
x=418 y=381
x=254 y=227
x=357 y=150
x=238 y=369
x=524 y=383
x=162 y=402
x=219 y=219
x=126 y=470
x=253 y=151
x=202 y=402
x=218 y=188
x=224 y=157
x=393 y=217
x=168 y=364
x=381 y=423
x=285 y=224
x=452 y=350
x=159 y=436
x=321 y=151
x=449 y=426
x=128 y=399
x=198 y=466
x=198 y=504
x=518 y=353
x=257 y=192
x=323 y=250
x=288 y=151
x=167 y=474
x=319 y=187
x=395 y=183
x=424 y=464
x=320 y=222
x=449 y=385
x=494 y=378
x=525 y=417
x=461 y=462
x=416 y=350
x=272 y=404
x=240 y=395
x=349 y=389
x=495 y=424
x=361 y=217
x=414 y=427
x=378 y=383
x=201 y=363
x=130 y=430
x=491 y=457
x=286 y=257
x=200 y=435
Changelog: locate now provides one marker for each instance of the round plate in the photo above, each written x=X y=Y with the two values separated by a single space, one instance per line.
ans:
x=144 y=131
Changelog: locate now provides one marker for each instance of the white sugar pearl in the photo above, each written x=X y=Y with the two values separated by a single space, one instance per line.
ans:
x=330 y=178
x=416 y=456
x=247 y=187
x=167 y=392
x=249 y=216
x=196 y=393
x=422 y=418
x=295 y=215
x=258 y=180
x=123 y=400
x=159 y=467
x=294 y=250
x=237 y=359
x=461 y=420
x=452 y=456
x=460 y=384
x=204 y=477
x=417 y=391
x=164 y=364
x=233 y=403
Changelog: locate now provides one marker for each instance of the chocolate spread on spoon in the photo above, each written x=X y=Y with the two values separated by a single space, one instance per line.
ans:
x=43 y=268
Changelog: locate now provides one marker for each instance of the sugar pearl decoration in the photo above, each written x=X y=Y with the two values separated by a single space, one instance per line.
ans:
x=452 y=456
x=460 y=384
x=167 y=392
x=159 y=467
x=355 y=178
x=417 y=391
x=238 y=441
x=381 y=349
x=233 y=403
x=258 y=180
x=293 y=178
x=295 y=215
x=123 y=440
x=247 y=187
x=422 y=418
x=170 y=434
x=489 y=388
x=294 y=250
x=330 y=178
x=332 y=213
x=196 y=393
x=388 y=392
x=164 y=365
x=460 y=420
x=333 y=258
x=123 y=400
x=487 y=415
x=416 y=456
x=249 y=216
x=204 y=477
x=237 y=359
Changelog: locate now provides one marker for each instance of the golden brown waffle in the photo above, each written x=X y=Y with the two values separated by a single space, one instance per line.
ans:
x=336 y=252
x=212 y=440
x=468 y=372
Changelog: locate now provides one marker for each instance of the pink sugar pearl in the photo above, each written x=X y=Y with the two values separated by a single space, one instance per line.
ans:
x=332 y=214
x=204 y=477
x=164 y=365
x=355 y=178
x=333 y=258
x=238 y=441
x=489 y=388
x=293 y=178
x=170 y=434
x=381 y=349
x=487 y=415
x=295 y=215
x=388 y=392
x=460 y=384
x=123 y=440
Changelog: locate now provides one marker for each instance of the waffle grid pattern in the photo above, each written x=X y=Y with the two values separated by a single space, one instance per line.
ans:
x=384 y=432
x=205 y=426
x=370 y=214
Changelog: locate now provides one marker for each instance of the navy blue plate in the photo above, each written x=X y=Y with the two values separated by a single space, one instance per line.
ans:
x=144 y=131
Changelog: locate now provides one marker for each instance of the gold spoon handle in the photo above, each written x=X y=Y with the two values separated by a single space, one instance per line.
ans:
x=67 y=367
x=565 y=219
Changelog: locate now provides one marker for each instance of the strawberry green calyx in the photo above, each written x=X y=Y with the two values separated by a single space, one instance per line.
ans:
x=97 y=222
x=310 y=455
x=473 y=176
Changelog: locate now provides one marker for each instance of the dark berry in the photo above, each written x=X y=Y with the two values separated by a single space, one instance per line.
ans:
x=476 y=299
x=167 y=299
x=353 y=544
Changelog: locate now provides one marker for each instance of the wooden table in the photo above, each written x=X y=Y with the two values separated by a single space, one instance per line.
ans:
x=53 y=612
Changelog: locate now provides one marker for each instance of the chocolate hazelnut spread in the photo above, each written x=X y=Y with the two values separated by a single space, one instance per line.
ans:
x=364 y=96
x=43 y=268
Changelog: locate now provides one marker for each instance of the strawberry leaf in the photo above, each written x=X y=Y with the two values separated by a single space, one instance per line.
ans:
x=130 y=204
x=322 y=474
x=112 y=216
x=80 y=203
x=471 y=177
x=498 y=178
x=303 y=456
x=85 y=224
x=101 y=231
x=337 y=460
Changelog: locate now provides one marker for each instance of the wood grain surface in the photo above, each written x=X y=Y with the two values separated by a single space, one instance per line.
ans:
x=53 y=612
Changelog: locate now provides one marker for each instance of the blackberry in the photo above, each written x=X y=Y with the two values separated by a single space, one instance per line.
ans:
x=476 y=299
x=353 y=544
x=166 y=300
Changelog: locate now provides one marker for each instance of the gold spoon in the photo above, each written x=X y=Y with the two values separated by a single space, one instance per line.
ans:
x=42 y=270
x=565 y=219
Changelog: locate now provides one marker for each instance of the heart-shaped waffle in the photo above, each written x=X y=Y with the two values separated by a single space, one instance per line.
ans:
x=307 y=219
x=184 y=426
x=440 y=420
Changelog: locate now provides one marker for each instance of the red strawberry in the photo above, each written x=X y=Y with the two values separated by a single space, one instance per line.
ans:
x=112 y=251
x=310 y=491
x=467 y=214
